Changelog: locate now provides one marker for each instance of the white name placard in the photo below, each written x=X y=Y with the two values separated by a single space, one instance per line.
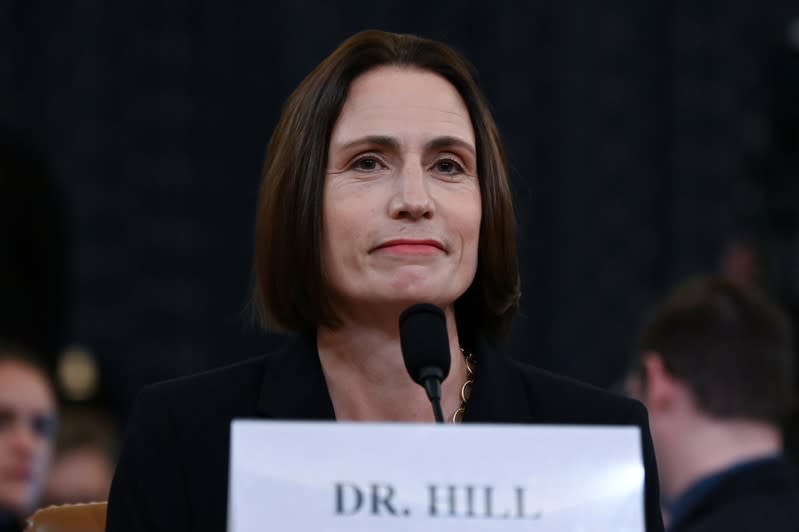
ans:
x=302 y=476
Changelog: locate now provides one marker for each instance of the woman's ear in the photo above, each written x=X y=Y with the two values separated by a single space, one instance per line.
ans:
x=659 y=388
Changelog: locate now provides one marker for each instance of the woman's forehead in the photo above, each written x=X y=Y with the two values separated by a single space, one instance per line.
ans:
x=404 y=103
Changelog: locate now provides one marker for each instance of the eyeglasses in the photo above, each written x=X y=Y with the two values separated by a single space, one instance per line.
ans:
x=43 y=426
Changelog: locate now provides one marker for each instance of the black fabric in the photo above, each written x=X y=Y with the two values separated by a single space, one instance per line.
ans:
x=9 y=523
x=172 y=474
x=33 y=251
x=764 y=497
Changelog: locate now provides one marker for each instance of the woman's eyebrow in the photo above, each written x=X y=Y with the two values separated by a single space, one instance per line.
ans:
x=439 y=143
x=371 y=140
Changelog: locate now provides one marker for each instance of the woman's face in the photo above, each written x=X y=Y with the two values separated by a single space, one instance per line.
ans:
x=402 y=210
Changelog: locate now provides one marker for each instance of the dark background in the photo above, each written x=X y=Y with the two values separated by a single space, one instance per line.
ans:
x=644 y=137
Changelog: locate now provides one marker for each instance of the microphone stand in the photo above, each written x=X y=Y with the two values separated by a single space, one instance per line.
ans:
x=431 y=377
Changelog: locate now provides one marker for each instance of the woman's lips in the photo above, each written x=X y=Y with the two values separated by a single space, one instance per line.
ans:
x=411 y=247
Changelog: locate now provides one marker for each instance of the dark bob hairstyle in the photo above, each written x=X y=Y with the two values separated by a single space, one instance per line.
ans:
x=290 y=287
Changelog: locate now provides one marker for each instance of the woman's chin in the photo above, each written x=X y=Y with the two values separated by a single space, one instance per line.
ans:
x=405 y=298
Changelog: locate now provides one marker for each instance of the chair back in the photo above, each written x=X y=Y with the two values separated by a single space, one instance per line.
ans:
x=89 y=517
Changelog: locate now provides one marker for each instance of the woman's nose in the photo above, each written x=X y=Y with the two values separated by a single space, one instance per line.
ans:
x=411 y=198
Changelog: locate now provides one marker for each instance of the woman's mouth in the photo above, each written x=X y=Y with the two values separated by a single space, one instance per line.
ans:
x=407 y=246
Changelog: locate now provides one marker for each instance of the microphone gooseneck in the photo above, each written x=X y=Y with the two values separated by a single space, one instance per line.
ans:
x=425 y=350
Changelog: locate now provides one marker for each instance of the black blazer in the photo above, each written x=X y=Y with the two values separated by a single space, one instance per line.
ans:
x=9 y=522
x=761 y=497
x=172 y=473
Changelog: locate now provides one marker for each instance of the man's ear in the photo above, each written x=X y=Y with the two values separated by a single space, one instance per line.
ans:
x=660 y=387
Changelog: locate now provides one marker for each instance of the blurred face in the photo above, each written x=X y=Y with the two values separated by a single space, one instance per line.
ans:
x=27 y=419
x=401 y=198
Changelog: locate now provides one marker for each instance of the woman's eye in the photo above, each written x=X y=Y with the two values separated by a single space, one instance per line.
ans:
x=367 y=164
x=448 y=166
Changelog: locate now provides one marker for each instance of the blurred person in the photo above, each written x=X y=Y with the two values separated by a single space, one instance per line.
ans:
x=85 y=454
x=27 y=426
x=385 y=185
x=715 y=370
x=741 y=263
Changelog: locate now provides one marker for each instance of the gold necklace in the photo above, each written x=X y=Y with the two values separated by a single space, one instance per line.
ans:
x=466 y=389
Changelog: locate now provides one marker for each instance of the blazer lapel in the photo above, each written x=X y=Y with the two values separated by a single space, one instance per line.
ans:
x=294 y=386
x=498 y=393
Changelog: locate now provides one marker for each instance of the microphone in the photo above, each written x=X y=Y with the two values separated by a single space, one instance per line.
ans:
x=425 y=350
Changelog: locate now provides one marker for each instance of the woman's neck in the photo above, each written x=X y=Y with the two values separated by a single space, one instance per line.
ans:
x=367 y=379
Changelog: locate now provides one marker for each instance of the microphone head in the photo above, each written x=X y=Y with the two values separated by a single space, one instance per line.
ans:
x=424 y=342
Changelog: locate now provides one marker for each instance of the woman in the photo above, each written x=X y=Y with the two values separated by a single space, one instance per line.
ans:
x=385 y=185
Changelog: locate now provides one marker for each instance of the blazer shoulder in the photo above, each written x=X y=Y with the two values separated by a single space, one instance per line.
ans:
x=567 y=400
x=212 y=379
x=233 y=387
